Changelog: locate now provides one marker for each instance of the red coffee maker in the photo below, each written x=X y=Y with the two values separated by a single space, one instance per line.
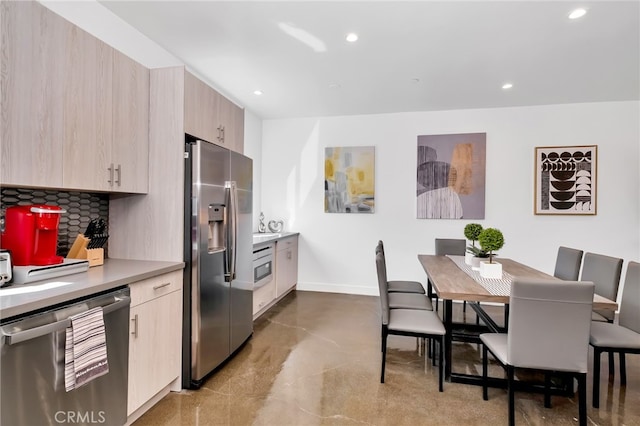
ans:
x=31 y=233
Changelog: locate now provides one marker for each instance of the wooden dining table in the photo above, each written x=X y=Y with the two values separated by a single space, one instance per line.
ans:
x=451 y=283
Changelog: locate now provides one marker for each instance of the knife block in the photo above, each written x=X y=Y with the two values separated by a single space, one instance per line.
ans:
x=79 y=250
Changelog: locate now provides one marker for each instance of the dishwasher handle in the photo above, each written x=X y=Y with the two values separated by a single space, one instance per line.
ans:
x=22 y=336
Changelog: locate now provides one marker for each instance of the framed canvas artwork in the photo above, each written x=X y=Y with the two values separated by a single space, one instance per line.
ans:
x=349 y=179
x=451 y=176
x=566 y=180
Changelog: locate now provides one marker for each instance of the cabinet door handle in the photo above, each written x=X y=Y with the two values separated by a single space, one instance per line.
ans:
x=289 y=254
x=135 y=325
x=110 y=181
x=159 y=286
x=220 y=133
x=119 y=172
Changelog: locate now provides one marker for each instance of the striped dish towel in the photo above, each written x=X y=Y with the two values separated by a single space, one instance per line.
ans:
x=85 y=355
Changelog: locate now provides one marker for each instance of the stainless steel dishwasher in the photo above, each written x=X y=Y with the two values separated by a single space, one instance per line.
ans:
x=32 y=367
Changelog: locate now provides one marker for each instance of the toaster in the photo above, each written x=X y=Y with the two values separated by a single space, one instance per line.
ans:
x=6 y=269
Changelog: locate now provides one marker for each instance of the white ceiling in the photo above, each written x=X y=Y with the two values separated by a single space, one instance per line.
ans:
x=411 y=56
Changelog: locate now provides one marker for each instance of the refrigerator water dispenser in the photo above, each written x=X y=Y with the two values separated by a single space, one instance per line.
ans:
x=216 y=240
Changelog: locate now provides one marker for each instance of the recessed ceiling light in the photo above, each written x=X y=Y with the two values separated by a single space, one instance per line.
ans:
x=257 y=92
x=351 y=37
x=577 y=13
x=507 y=86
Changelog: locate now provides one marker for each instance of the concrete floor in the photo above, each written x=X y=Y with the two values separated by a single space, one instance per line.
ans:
x=314 y=359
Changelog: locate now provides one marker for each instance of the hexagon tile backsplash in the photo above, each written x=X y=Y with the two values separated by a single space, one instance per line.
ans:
x=81 y=207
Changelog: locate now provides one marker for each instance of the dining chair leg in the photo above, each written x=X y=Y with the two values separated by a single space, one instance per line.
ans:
x=582 y=399
x=623 y=369
x=426 y=363
x=431 y=348
x=547 y=387
x=440 y=364
x=433 y=358
x=596 y=378
x=612 y=370
x=485 y=393
x=384 y=353
x=511 y=391
x=506 y=316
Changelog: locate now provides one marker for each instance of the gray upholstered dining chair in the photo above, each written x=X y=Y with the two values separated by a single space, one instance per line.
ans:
x=568 y=263
x=623 y=337
x=448 y=246
x=549 y=325
x=604 y=272
x=400 y=286
x=407 y=322
x=400 y=300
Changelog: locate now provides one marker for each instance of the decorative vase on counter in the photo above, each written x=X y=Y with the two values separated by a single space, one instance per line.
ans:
x=261 y=226
x=276 y=226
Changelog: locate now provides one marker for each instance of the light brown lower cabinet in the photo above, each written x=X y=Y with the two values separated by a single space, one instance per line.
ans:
x=286 y=265
x=285 y=276
x=154 y=337
x=263 y=298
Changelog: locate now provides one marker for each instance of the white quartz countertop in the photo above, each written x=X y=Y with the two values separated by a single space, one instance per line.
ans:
x=20 y=299
x=268 y=237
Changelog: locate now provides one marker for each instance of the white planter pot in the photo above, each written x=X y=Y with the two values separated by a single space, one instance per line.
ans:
x=468 y=258
x=475 y=263
x=490 y=270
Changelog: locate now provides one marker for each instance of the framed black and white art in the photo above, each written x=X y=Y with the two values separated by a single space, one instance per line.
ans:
x=566 y=180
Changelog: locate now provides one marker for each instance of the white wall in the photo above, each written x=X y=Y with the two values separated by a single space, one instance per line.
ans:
x=337 y=250
x=253 y=150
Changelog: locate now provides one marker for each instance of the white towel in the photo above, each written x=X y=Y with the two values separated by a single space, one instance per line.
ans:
x=85 y=356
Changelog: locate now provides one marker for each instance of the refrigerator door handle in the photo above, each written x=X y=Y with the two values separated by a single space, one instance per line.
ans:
x=235 y=228
x=232 y=231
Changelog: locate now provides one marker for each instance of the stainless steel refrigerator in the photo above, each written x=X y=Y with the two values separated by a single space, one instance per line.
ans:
x=218 y=285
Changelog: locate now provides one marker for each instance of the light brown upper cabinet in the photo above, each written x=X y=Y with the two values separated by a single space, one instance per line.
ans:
x=32 y=81
x=106 y=144
x=200 y=103
x=210 y=116
x=130 y=146
x=231 y=119
x=75 y=110
x=88 y=102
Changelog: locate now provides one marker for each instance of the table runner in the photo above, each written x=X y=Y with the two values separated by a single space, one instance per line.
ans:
x=495 y=286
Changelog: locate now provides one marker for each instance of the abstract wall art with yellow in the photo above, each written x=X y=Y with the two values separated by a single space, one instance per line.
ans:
x=349 y=179
x=451 y=176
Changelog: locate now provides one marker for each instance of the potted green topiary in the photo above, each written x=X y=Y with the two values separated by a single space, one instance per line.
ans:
x=491 y=239
x=471 y=232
